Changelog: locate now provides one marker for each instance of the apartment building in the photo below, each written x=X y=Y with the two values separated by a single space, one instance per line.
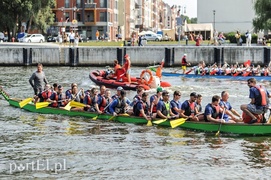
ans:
x=111 y=17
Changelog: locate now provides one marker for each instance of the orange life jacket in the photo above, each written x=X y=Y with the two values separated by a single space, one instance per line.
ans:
x=262 y=101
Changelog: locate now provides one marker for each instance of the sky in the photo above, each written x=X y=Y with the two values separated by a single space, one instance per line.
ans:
x=191 y=6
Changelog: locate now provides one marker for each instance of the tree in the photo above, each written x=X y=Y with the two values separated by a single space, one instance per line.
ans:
x=41 y=14
x=262 y=21
x=14 y=12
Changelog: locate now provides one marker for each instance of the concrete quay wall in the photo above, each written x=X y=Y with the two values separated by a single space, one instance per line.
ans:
x=140 y=56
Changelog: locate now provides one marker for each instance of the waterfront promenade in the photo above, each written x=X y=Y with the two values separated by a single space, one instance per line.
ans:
x=20 y=54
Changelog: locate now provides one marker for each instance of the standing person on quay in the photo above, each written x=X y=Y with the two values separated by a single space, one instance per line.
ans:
x=259 y=100
x=184 y=63
x=36 y=79
x=97 y=35
x=127 y=68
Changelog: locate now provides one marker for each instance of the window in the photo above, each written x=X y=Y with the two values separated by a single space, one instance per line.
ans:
x=116 y=17
x=78 y=3
x=78 y=17
x=90 y=17
x=102 y=17
x=67 y=16
x=67 y=3
x=102 y=3
x=116 y=4
x=108 y=17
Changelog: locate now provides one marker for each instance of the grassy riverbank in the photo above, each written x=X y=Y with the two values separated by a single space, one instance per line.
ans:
x=150 y=43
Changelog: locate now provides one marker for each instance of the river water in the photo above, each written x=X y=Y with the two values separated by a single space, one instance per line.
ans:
x=53 y=146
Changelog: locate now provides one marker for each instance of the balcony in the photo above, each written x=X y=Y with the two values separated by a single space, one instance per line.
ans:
x=90 y=23
x=90 y=5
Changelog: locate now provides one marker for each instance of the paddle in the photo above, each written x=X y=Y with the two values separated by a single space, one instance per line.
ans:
x=77 y=104
x=159 y=121
x=149 y=123
x=68 y=106
x=236 y=74
x=113 y=117
x=177 y=122
x=40 y=105
x=246 y=74
x=94 y=118
x=25 y=102
x=177 y=70
x=189 y=71
x=216 y=134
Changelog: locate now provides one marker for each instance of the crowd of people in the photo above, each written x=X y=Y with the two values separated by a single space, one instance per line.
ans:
x=246 y=69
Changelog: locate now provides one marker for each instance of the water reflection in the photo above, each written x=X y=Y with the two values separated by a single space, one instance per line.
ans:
x=257 y=150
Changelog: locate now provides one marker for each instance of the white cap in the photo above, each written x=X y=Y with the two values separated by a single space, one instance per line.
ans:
x=185 y=54
x=119 y=88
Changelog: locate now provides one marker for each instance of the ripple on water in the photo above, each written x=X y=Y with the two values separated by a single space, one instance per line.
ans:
x=100 y=149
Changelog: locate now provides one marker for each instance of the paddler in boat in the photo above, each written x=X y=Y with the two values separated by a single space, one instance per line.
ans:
x=264 y=71
x=230 y=115
x=119 y=89
x=212 y=111
x=199 y=69
x=114 y=73
x=259 y=100
x=75 y=95
x=69 y=91
x=234 y=69
x=54 y=88
x=224 y=68
x=44 y=95
x=206 y=70
x=247 y=70
x=256 y=71
x=58 y=98
x=138 y=96
x=127 y=67
x=198 y=102
x=92 y=101
x=175 y=103
x=119 y=105
x=163 y=108
x=184 y=63
x=228 y=71
x=219 y=71
x=188 y=108
x=154 y=99
x=106 y=101
x=240 y=70
x=141 y=107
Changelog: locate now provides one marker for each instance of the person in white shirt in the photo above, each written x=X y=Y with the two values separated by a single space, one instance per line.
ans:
x=248 y=38
x=71 y=37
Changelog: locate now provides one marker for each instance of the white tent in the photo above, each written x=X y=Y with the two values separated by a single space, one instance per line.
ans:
x=146 y=32
x=205 y=29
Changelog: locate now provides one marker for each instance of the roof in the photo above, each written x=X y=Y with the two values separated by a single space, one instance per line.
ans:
x=199 y=27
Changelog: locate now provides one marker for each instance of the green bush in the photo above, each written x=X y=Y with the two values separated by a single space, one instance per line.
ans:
x=231 y=37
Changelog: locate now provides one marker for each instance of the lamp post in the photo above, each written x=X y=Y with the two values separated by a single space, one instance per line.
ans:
x=214 y=18
x=179 y=24
x=63 y=12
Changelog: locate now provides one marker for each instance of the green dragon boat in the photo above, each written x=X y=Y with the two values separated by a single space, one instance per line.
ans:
x=229 y=128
